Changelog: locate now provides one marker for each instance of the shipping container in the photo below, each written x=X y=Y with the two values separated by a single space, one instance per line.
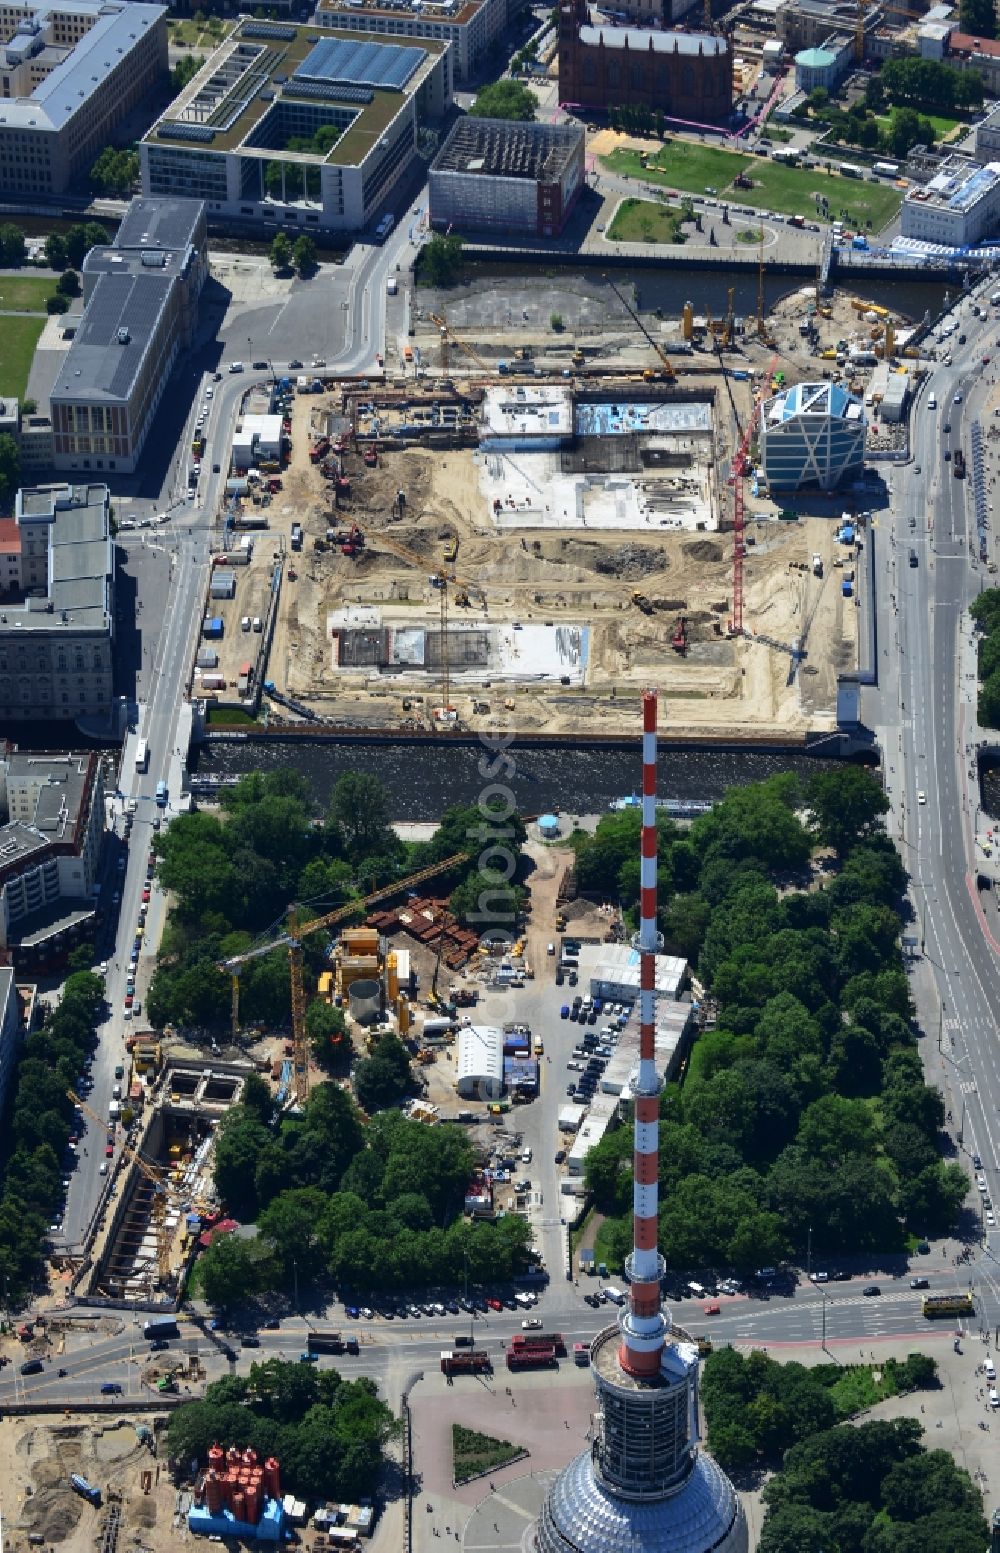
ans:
x=207 y=658
x=165 y=1326
x=213 y=627
x=213 y=682
x=530 y=1358
x=223 y=585
x=553 y=1340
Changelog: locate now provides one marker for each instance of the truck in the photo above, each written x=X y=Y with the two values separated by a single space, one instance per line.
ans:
x=958 y=467
x=160 y=1327
x=319 y=449
x=465 y=1361
x=581 y=1354
x=384 y=227
x=325 y=1342
x=527 y=1340
x=392 y=286
x=817 y=565
x=531 y=1358
x=86 y=1490
x=296 y=536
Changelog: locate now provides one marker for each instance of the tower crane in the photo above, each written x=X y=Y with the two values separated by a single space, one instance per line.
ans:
x=737 y=476
x=291 y=940
x=447 y=333
x=664 y=359
x=163 y=1198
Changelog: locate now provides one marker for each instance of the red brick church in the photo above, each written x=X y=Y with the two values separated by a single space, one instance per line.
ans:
x=685 y=75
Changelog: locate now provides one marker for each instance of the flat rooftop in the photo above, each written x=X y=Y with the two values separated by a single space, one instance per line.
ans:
x=117 y=28
x=263 y=67
x=958 y=185
x=527 y=412
x=80 y=561
x=457 y=12
x=134 y=277
x=641 y=40
x=497 y=148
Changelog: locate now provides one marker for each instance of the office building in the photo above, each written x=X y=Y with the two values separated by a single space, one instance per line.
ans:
x=967 y=52
x=360 y=103
x=51 y=830
x=682 y=75
x=642 y=1482
x=140 y=311
x=57 y=606
x=811 y=436
x=495 y=176
x=32 y=433
x=988 y=137
x=959 y=207
x=70 y=72
x=474 y=28
x=10 y=1031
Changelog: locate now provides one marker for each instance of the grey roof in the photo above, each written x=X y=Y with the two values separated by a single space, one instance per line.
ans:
x=116 y=329
x=80 y=562
x=159 y=223
x=117 y=28
x=501 y=149
x=638 y=38
x=62 y=779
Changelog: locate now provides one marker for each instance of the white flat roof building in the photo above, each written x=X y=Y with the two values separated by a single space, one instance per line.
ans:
x=536 y=417
x=959 y=207
x=479 y=1071
x=599 y=1119
x=613 y=972
x=672 y=1022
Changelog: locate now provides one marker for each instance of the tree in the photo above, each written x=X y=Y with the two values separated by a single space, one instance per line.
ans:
x=80 y=239
x=12 y=245
x=10 y=466
x=116 y=172
x=55 y=251
x=845 y=806
x=281 y=252
x=304 y=254
x=69 y=284
x=384 y=1078
x=185 y=69
x=441 y=259
x=227 y=1271
x=978 y=17
x=359 y=814
x=326 y=1028
x=505 y=100
x=556 y=322
x=291 y=1224
x=56 y=304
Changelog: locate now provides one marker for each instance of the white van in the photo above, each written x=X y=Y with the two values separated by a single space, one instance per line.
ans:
x=525 y=1156
x=525 y=1301
x=614 y=1296
x=697 y=1291
x=932 y=401
x=989 y=1370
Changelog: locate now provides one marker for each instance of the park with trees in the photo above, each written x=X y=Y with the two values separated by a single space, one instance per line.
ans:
x=985 y=611
x=803 y=1106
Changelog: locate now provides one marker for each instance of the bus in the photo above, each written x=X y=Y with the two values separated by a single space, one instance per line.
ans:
x=142 y=755
x=849 y=170
x=947 y=1305
x=161 y=795
x=886 y=169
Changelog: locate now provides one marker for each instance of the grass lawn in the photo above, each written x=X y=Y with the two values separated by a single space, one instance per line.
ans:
x=943 y=127
x=26 y=293
x=474 y=1454
x=790 y=190
x=230 y=717
x=18 y=338
x=680 y=165
x=645 y=221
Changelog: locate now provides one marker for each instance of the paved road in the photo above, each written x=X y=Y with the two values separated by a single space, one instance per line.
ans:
x=920 y=711
x=841 y=1313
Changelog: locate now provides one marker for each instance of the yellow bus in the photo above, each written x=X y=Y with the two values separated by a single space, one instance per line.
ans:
x=947 y=1305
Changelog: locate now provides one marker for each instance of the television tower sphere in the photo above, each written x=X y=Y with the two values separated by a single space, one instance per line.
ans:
x=643 y=1487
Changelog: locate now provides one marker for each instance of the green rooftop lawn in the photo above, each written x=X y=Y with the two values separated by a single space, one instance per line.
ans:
x=18 y=338
x=693 y=169
x=644 y=221
x=25 y=293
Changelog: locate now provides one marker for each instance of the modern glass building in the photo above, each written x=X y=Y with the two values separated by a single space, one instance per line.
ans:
x=812 y=435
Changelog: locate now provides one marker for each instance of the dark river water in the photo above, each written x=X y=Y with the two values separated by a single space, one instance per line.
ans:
x=424 y=779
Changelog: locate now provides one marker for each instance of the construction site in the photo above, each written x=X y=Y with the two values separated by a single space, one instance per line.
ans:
x=539 y=534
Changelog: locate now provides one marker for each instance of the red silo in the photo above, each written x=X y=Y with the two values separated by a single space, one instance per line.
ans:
x=239 y=1505
x=213 y=1493
x=216 y=1457
x=253 y=1504
x=272 y=1478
